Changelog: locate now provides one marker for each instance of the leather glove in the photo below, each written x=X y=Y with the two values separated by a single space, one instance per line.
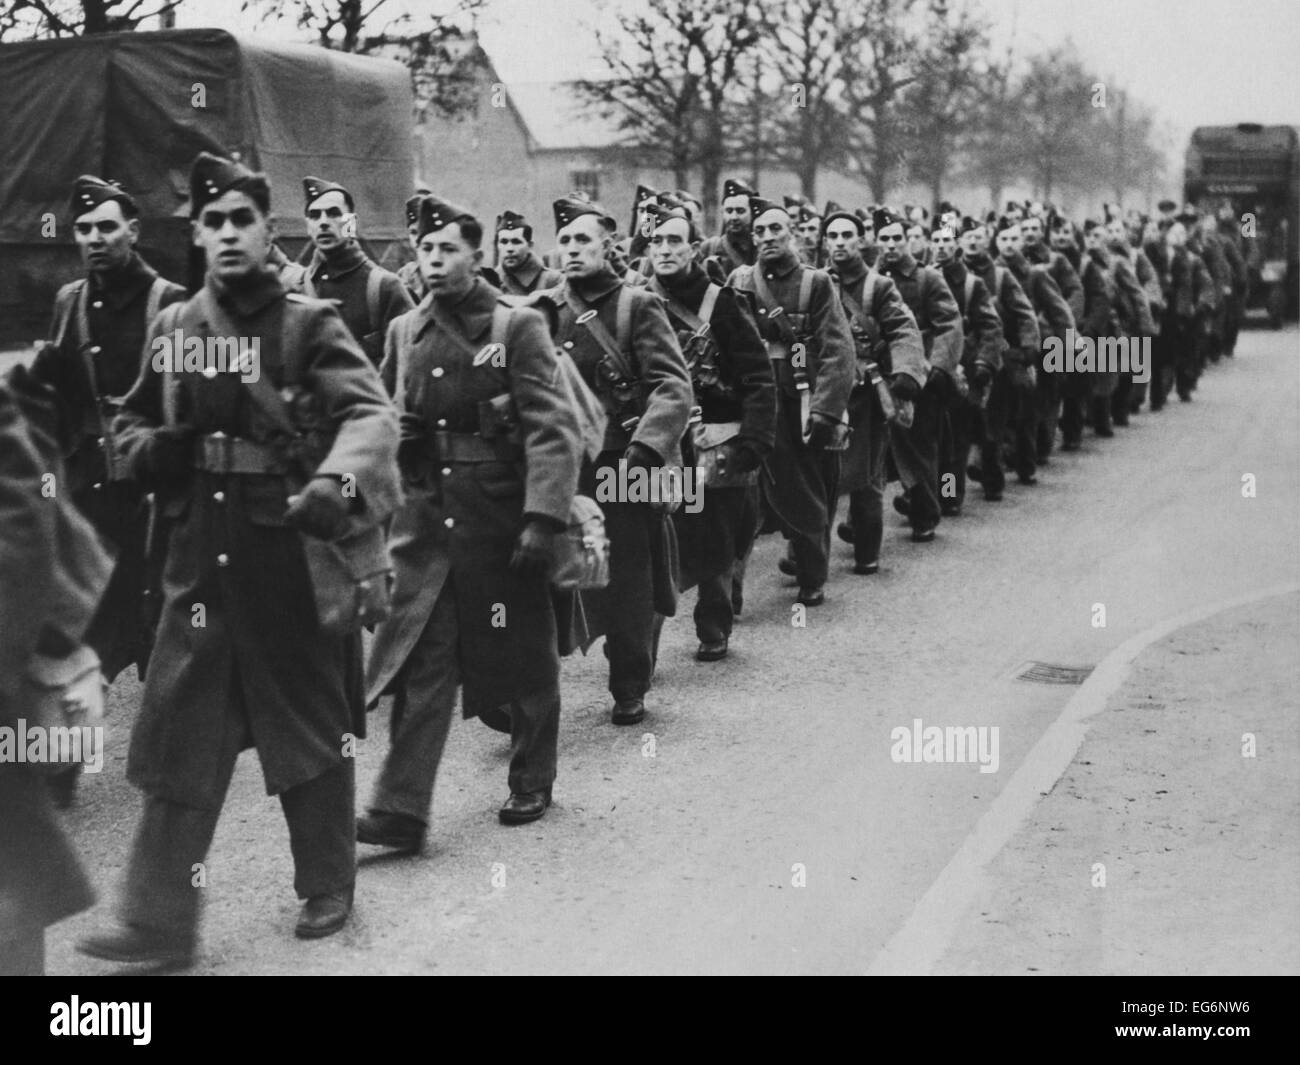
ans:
x=319 y=510
x=412 y=449
x=940 y=383
x=981 y=375
x=640 y=455
x=534 y=553
x=821 y=430
x=170 y=452
x=904 y=386
x=743 y=458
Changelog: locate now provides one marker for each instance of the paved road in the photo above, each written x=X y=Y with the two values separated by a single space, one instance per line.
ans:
x=770 y=831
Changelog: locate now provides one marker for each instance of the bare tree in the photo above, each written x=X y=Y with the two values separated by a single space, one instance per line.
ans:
x=34 y=19
x=675 y=81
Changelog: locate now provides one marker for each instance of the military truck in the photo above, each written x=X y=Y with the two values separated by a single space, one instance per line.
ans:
x=136 y=108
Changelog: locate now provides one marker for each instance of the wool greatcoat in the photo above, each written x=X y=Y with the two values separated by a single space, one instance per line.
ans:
x=230 y=550
x=116 y=304
x=461 y=519
x=798 y=482
x=343 y=275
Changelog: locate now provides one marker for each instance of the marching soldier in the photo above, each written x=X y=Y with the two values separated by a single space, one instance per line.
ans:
x=91 y=361
x=521 y=272
x=409 y=273
x=981 y=353
x=808 y=224
x=623 y=345
x=1012 y=394
x=1054 y=320
x=490 y=454
x=1132 y=308
x=736 y=397
x=1088 y=394
x=1229 y=237
x=1035 y=248
x=367 y=295
x=887 y=344
x=1149 y=278
x=1186 y=283
x=241 y=657
x=734 y=247
x=870 y=249
x=807 y=336
x=917 y=449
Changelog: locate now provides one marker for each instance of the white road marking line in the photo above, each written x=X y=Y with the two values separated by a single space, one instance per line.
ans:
x=917 y=946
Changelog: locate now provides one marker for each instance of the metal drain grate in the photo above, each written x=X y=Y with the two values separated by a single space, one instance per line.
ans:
x=1046 y=673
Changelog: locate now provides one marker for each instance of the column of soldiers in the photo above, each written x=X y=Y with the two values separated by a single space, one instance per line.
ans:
x=799 y=355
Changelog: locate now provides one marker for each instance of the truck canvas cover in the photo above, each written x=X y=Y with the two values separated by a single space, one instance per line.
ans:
x=136 y=108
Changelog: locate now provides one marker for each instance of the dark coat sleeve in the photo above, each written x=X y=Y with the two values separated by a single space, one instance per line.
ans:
x=1137 y=309
x=939 y=306
x=1019 y=322
x=552 y=446
x=1054 y=315
x=1097 y=302
x=836 y=362
x=744 y=356
x=986 y=326
x=899 y=330
x=662 y=370
x=1067 y=280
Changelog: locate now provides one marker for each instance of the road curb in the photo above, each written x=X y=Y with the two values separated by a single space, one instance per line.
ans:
x=917 y=946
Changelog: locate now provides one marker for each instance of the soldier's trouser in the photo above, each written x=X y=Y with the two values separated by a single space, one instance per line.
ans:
x=713 y=614
x=867 y=505
x=1167 y=353
x=1121 y=398
x=916 y=454
x=423 y=707
x=1047 y=393
x=967 y=427
x=630 y=614
x=1024 y=428
x=1231 y=325
x=997 y=416
x=812 y=554
x=164 y=878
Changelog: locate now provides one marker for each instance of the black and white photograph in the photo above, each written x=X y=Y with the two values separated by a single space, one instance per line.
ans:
x=650 y=487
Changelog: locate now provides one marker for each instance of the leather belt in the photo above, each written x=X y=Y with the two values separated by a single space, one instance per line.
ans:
x=470 y=447
x=219 y=453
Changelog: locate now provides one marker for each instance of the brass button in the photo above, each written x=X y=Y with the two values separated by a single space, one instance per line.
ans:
x=446 y=471
x=568 y=343
x=442 y=423
x=438 y=371
x=220 y=497
x=97 y=304
x=98 y=486
x=96 y=350
x=223 y=559
x=210 y=372
x=100 y=441
x=450 y=523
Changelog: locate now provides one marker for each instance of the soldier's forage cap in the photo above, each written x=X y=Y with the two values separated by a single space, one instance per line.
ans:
x=643 y=193
x=731 y=187
x=831 y=208
x=436 y=214
x=88 y=192
x=793 y=203
x=840 y=212
x=968 y=223
x=573 y=207
x=211 y=176
x=413 y=206
x=1110 y=212
x=806 y=212
x=1189 y=215
x=917 y=214
x=883 y=216
x=1006 y=222
x=1057 y=222
x=510 y=220
x=1166 y=207
x=313 y=188
x=688 y=197
x=1034 y=209
x=865 y=214
x=759 y=207
x=661 y=212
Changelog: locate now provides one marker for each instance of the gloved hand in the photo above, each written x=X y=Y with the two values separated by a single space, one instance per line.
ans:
x=904 y=386
x=981 y=375
x=822 y=430
x=412 y=448
x=534 y=553
x=941 y=384
x=319 y=510
x=743 y=457
x=170 y=452
x=640 y=455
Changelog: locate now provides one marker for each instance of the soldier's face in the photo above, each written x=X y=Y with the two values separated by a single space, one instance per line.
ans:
x=1062 y=239
x=671 y=250
x=974 y=241
x=583 y=243
x=105 y=236
x=329 y=222
x=447 y=261
x=1031 y=231
x=773 y=236
x=944 y=244
x=234 y=234
x=809 y=233
x=736 y=217
x=842 y=240
x=1176 y=235
x=891 y=240
x=1092 y=238
x=868 y=235
x=413 y=234
x=512 y=248
x=1009 y=241
x=917 y=241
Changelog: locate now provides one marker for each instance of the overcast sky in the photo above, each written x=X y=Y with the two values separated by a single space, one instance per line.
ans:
x=1197 y=62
